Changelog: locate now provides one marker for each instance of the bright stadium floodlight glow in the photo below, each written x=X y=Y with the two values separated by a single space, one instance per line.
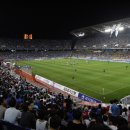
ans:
x=128 y=45
x=121 y=28
x=107 y=30
x=116 y=45
x=94 y=46
x=81 y=34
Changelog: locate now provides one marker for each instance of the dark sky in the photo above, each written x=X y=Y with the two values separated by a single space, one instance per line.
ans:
x=54 y=20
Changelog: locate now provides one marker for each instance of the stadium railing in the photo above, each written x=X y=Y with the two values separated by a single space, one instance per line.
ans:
x=126 y=100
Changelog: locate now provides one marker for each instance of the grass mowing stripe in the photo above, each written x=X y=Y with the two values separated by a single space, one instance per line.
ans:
x=89 y=77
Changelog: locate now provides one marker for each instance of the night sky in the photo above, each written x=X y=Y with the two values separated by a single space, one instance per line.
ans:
x=55 y=21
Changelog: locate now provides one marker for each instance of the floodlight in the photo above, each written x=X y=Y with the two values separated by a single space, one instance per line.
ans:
x=94 y=45
x=108 y=30
x=128 y=45
x=116 y=45
x=121 y=28
x=81 y=34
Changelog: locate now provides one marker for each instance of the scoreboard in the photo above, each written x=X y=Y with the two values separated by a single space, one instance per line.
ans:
x=28 y=36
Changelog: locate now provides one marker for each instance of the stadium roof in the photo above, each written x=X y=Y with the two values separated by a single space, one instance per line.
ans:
x=101 y=27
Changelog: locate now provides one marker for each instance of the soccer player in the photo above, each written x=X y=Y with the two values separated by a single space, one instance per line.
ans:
x=73 y=77
x=104 y=70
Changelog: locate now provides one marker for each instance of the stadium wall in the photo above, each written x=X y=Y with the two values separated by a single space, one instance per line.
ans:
x=32 y=79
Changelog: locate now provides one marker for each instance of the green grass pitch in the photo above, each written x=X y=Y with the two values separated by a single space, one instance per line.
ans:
x=88 y=77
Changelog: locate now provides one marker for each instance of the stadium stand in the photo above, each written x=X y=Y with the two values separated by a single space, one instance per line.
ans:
x=40 y=109
x=21 y=44
x=103 y=41
x=100 y=45
x=58 y=111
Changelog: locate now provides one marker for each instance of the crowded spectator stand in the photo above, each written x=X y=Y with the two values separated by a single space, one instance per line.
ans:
x=36 y=108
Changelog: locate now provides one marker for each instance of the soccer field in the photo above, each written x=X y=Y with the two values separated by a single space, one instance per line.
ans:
x=88 y=77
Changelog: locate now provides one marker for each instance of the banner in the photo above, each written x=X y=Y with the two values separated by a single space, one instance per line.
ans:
x=71 y=91
x=59 y=86
x=49 y=82
x=67 y=90
x=87 y=98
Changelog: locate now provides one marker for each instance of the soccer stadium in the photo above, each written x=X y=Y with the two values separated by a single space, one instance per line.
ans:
x=53 y=84
x=95 y=62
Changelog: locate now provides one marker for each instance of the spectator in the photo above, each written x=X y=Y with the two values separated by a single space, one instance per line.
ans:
x=76 y=124
x=124 y=113
x=99 y=127
x=12 y=115
x=55 y=122
x=99 y=112
x=115 y=108
x=41 y=123
x=129 y=114
x=27 y=118
x=121 y=122
x=2 y=107
x=112 y=123
x=105 y=120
